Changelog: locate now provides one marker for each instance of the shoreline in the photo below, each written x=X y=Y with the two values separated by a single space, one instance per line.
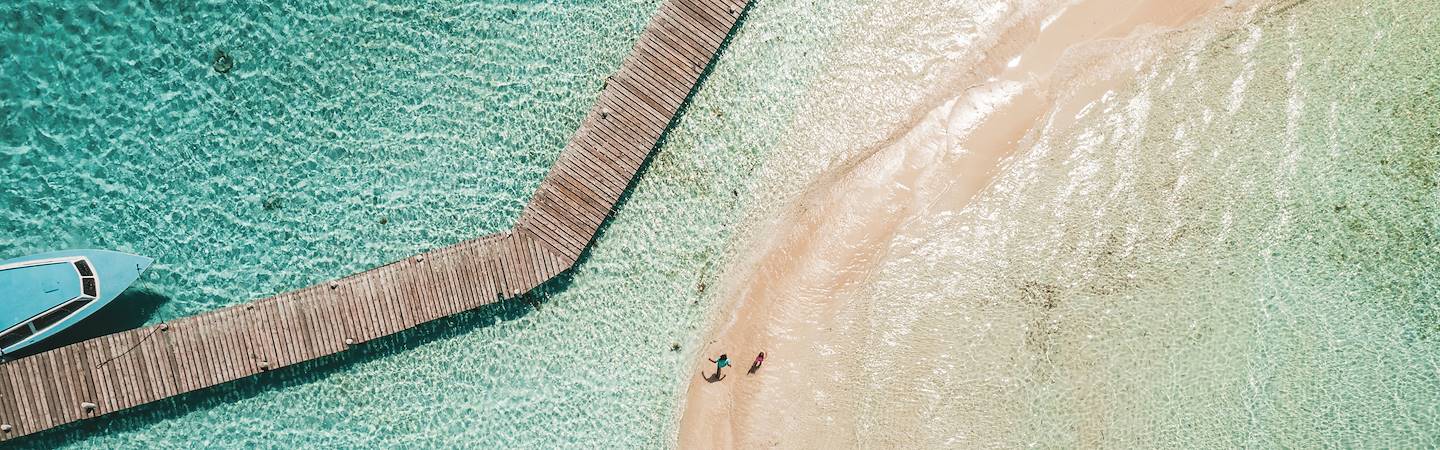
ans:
x=784 y=295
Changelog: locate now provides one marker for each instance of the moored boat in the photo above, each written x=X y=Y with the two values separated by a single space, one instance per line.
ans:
x=41 y=295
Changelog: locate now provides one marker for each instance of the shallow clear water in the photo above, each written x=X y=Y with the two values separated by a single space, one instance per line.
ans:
x=1238 y=249
x=441 y=117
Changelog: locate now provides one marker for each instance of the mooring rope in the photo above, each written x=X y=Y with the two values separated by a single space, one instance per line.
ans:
x=132 y=347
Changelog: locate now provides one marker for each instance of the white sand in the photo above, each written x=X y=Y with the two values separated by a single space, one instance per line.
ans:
x=796 y=277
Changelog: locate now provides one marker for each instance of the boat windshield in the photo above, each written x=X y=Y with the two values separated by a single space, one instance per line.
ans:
x=15 y=336
x=54 y=316
x=84 y=268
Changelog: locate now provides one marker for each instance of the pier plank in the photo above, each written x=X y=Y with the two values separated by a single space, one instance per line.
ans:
x=636 y=78
x=186 y=339
x=611 y=147
x=678 y=17
x=65 y=384
x=579 y=197
x=365 y=299
x=647 y=111
x=651 y=72
x=390 y=298
x=408 y=298
x=42 y=365
x=438 y=288
x=432 y=298
x=385 y=289
x=32 y=415
x=69 y=379
x=434 y=287
x=378 y=303
x=60 y=375
x=254 y=333
x=19 y=390
x=502 y=265
x=416 y=276
x=562 y=207
x=179 y=333
x=220 y=337
x=594 y=123
x=295 y=326
x=384 y=299
x=145 y=350
x=103 y=392
x=624 y=123
x=485 y=262
x=326 y=315
x=400 y=313
x=269 y=327
x=134 y=356
x=305 y=334
x=207 y=365
x=346 y=304
x=170 y=360
x=45 y=399
x=9 y=412
x=516 y=270
x=300 y=329
x=620 y=140
x=642 y=101
x=277 y=318
x=470 y=290
x=120 y=369
x=556 y=237
x=483 y=274
x=309 y=349
x=588 y=167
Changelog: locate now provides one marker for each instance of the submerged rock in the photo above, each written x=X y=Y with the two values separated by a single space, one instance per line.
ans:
x=223 y=62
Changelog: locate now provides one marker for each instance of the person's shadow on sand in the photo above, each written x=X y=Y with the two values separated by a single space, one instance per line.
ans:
x=713 y=378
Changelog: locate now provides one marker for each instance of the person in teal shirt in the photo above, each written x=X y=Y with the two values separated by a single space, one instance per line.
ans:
x=721 y=363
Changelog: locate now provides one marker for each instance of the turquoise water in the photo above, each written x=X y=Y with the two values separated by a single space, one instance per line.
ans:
x=485 y=95
x=1284 y=298
x=345 y=136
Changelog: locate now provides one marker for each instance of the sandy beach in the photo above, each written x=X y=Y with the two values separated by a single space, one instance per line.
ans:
x=791 y=291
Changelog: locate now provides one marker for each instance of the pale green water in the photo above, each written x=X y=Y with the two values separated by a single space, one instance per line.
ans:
x=442 y=117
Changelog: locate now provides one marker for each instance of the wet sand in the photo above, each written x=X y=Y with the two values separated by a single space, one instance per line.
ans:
x=792 y=283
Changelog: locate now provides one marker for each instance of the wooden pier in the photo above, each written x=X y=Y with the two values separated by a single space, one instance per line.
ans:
x=118 y=371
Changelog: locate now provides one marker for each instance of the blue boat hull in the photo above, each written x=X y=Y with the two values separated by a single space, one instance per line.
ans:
x=47 y=293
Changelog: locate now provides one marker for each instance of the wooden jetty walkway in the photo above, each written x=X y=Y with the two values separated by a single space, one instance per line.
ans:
x=121 y=370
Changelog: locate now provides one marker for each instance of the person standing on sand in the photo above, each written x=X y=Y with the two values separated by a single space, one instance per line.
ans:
x=721 y=363
x=759 y=359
